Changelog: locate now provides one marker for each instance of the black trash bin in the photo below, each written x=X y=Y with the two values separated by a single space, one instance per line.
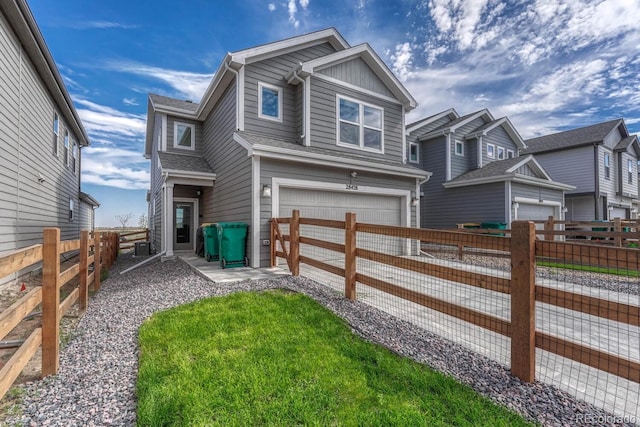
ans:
x=200 y=242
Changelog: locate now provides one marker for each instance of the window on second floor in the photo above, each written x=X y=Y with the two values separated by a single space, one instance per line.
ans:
x=269 y=102
x=630 y=170
x=491 y=151
x=459 y=148
x=607 y=165
x=56 y=128
x=414 y=152
x=360 y=125
x=65 y=153
x=70 y=209
x=500 y=153
x=74 y=156
x=184 y=136
x=510 y=154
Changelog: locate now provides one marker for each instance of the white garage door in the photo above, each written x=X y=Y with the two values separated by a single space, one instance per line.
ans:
x=333 y=205
x=618 y=213
x=533 y=212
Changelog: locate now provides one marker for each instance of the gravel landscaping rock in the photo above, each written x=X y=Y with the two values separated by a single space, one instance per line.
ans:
x=96 y=382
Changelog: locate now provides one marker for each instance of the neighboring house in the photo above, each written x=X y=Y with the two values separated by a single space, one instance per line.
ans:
x=87 y=212
x=601 y=161
x=306 y=123
x=41 y=136
x=478 y=172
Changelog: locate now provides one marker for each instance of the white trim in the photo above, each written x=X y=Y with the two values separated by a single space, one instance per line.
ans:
x=357 y=88
x=499 y=148
x=169 y=220
x=301 y=156
x=195 y=219
x=172 y=173
x=457 y=143
x=427 y=120
x=361 y=125
x=307 y=111
x=191 y=126
x=491 y=155
x=479 y=150
x=536 y=166
x=523 y=179
x=240 y=101
x=164 y=132
x=411 y=145
x=513 y=153
x=417 y=207
x=448 y=158
x=458 y=125
x=404 y=138
x=507 y=201
x=276 y=183
x=255 y=212
x=279 y=91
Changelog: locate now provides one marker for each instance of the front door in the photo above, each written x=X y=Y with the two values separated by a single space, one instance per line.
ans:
x=183 y=226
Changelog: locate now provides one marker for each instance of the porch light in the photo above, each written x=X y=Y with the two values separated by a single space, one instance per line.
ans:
x=266 y=190
x=414 y=201
x=565 y=209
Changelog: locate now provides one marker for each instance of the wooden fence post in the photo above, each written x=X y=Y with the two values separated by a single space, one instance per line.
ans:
x=50 y=301
x=617 y=228
x=460 y=247
x=294 y=243
x=523 y=287
x=97 y=264
x=549 y=225
x=273 y=247
x=117 y=242
x=84 y=269
x=350 y=256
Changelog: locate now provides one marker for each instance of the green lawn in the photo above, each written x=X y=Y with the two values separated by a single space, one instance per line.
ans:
x=590 y=268
x=279 y=358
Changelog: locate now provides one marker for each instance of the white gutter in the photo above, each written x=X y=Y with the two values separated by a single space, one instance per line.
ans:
x=235 y=73
x=294 y=75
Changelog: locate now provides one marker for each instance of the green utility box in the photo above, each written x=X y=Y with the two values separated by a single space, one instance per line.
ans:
x=494 y=226
x=232 y=239
x=211 y=246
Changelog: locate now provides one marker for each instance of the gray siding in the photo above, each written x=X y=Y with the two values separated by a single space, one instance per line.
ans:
x=499 y=138
x=155 y=202
x=170 y=136
x=324 y=119
x=358 y=73
x=608 y=186
x=461 y=164
x=629 y=189
x=526 y=170
x=270 y=168
x=415 y=135
x=580 y=208
x=272 y=71
x=582 y=176
x=26 y=112
x=231 y=198
x=85 y=216
x=535 y=192
x=433 y=159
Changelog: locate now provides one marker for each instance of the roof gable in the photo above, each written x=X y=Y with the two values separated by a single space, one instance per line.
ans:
x=419 y=124
x=503 y=122
x=588 y=135
x=453 y=125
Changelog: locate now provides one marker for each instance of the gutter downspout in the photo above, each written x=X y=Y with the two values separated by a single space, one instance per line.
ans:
x=448 y=158
x=596 y=168
x=235 y=73
x=294 y=75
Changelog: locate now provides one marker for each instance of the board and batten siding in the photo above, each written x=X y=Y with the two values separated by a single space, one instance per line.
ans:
x=272 y=71
x=272 y=168
x=27 y=110
x=583 y=178
x=357 y=73
x=231 y=198
x=324 y=119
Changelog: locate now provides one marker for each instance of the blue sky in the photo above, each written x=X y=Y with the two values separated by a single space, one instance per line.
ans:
x=547 y=65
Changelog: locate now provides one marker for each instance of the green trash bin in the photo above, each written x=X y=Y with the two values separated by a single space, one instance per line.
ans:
x=211 y=246
x=494 y=226
x=232 y=240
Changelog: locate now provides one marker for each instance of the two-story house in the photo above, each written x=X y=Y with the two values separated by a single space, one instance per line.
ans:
x=306 y=123
x=601 y=161
x=479 y=174
x=41 y=137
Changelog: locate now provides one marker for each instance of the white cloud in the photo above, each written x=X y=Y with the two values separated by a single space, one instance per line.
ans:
x=293 y=9
x=101 y=25
x=130 y=101
x=187 y=84
x=111 y=170
x=272 y=7
x=109 y=123
x=402 y=61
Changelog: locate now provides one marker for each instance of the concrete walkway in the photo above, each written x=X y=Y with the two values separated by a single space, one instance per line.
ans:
x=215 y=273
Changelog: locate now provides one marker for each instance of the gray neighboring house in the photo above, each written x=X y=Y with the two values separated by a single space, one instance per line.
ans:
x=306 y=123
x=41 y=137
x=87 y=212
x=479 y=174
x=600 y=161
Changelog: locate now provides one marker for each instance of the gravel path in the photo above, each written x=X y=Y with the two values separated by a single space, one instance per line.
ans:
x=96 y=381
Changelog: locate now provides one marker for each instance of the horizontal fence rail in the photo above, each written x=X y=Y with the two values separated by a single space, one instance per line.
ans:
x=525 y=248
x=100 y=246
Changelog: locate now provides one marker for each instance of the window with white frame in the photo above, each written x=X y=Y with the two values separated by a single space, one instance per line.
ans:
x=459 y=148
x=56 y=128
x=70 y=209
x=66 y=147
x=414 y=152
x=500 y=153
x=74 y=156
x=269 y=102
x=184 y=136
x=491 y=151
x=510 y=154
x=607 y=165
x=630 y=170
x=360 y=125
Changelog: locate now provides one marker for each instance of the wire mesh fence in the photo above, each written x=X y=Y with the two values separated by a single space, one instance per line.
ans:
x=564 y=314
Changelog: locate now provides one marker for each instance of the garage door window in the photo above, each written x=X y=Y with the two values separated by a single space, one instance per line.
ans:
x=360 y=125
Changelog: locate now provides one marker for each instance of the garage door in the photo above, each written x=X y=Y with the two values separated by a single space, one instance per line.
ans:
x=618 y=213
x=533 y=212
x=369 y=208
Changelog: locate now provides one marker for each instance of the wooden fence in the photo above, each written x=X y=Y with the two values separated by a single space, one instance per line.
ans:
x=99 y=250
x=128 y=241
x=523 y=247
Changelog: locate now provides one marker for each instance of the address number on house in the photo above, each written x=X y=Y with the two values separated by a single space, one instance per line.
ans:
x=351 y=187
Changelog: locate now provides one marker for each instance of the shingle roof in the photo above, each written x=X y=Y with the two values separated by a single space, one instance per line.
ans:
x=455 y=122
x=497 y=168
x=159 y=100
x=255 y=139
x=571 y=138
x=625 y=142
x=184 y=162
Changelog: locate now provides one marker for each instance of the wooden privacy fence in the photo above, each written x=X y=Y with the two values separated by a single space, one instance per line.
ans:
x=91 y=249
x=129 y=242
x=523 y=248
